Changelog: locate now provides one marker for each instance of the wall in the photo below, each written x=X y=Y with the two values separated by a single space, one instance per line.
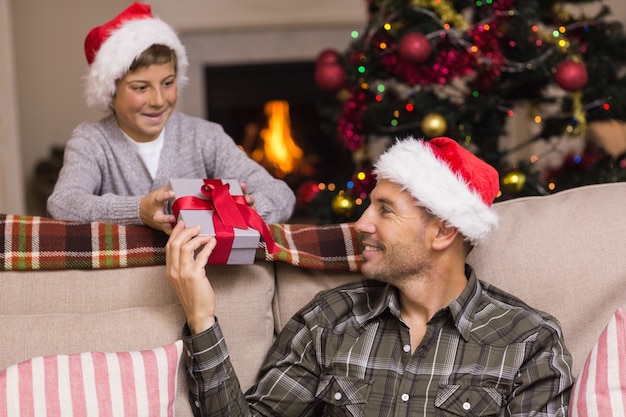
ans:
x=11 y=180
x=49 y=61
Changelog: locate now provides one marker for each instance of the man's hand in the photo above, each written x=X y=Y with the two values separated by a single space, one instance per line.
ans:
x=152 y=209
x=187 y=274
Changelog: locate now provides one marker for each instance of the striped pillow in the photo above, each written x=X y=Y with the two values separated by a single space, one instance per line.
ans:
x=600 y=389
x=141 y=383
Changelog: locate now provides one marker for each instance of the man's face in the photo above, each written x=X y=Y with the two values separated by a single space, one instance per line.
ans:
x=396 y=233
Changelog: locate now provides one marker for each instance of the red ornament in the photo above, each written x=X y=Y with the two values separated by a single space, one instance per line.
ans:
x=330 y=77
x=571 y=75
x=327 y=56
x=306 y=192
x=414 y=47
x=357 y=57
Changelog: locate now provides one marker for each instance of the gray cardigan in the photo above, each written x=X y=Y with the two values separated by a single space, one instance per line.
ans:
x=103 y=178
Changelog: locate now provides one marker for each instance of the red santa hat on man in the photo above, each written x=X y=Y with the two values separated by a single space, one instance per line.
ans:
x=446 y=179
x=110 y=50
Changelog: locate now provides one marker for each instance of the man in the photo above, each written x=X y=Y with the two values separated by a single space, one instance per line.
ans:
x=423 y=337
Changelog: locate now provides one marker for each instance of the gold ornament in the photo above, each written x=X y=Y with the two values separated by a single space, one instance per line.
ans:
x=361 y=156
x=514 y=181
x=342 y=205
x=445 y=9
x=434 y=124
x=579 y=115
x=343 y=95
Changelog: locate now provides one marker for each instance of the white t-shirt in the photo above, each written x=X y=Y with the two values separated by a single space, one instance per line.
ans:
x=149 y=152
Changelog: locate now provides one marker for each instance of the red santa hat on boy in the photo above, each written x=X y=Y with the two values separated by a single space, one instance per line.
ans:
x=111 y=49
x=446 y=179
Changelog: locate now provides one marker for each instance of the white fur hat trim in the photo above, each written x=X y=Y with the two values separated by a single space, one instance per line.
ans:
x=413 y=165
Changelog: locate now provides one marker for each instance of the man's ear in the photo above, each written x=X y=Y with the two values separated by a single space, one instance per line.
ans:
x=446 y=234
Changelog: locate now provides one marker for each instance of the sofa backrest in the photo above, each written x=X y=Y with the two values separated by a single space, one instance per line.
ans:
x=114 y=310
x=564 y=254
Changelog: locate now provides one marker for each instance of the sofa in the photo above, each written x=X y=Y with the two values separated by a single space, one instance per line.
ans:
x=68 y=288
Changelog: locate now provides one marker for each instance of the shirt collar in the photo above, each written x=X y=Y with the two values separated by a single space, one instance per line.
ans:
x=461 y=310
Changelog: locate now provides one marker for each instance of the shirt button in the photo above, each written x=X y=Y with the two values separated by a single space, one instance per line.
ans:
x=338 y=396
x=407 y=348
x=466 y=406
x=197 y=404
x=405 y=397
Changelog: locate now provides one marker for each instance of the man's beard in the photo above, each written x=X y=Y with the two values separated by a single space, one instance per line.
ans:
x=396 y=271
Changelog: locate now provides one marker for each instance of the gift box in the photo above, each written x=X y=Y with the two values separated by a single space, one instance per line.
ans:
x=218 y=206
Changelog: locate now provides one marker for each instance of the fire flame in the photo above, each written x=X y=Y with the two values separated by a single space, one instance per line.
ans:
x=279 y=147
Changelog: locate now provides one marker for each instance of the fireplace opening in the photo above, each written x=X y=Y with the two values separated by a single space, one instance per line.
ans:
x=271 y=111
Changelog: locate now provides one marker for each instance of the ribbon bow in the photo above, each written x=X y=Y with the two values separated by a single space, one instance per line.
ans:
x=228 y=212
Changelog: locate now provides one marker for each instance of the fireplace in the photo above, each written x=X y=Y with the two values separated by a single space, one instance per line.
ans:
x=243 y=98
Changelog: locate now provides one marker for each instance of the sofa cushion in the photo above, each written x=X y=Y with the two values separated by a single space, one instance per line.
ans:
x=130 y=309
x=600 y=389
x=113 y=384
x=132 y=329
x=563 y=254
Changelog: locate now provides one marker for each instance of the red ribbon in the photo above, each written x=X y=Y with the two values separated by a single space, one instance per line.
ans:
x=228 y=212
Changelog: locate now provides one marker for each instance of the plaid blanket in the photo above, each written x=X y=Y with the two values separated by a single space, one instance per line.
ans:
x=41 y=243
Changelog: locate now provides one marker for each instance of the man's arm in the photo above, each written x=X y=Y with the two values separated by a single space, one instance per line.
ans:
x=213 y=385
x=544 y=382
x=290 y=374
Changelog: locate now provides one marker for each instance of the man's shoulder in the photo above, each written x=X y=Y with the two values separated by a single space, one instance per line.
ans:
x=353 y=299
x=505 y=316
x=499 y=296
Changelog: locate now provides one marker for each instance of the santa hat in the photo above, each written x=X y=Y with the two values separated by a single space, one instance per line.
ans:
x=110 y=50
x=446 y=179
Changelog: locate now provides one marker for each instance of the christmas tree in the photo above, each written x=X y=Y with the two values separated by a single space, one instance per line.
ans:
x=465 y=69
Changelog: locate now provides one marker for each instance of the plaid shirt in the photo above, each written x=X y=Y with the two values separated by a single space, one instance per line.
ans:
x=348 y=353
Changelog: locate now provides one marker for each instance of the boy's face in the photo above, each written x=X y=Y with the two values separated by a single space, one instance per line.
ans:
x=144 y=100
